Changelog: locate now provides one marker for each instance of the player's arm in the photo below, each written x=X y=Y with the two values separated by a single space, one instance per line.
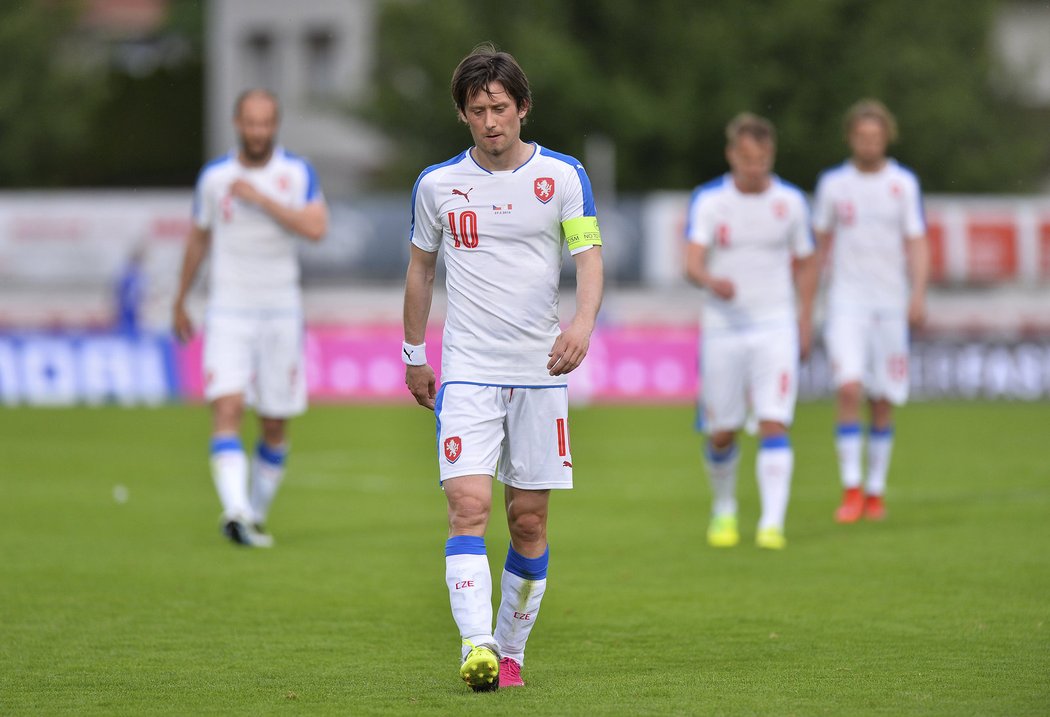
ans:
x=918 y=274
x=806 y=271
x=419 y=294
x=696 y=271
x=196 y=249
x=309 y=221
x=570 y=348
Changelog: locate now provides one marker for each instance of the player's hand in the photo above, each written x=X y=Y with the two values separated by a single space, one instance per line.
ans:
x=722 y=288
x=805 y=337
x=245 y=191
x=181 y=325
x=568 y=351
x=422 y=383
x=916 y=312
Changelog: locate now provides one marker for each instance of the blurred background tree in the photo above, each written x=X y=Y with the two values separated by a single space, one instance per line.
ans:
x=662 y=78
x=78 y=108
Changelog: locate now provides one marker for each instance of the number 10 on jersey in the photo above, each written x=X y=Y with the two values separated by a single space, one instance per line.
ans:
x=464 y=228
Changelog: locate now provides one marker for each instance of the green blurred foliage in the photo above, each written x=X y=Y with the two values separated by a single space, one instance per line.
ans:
x=662 y=78
x=73 y=116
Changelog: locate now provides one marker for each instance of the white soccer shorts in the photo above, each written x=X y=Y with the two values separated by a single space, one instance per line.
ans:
x=522 y=432
x=753 y=368
x=258 y=354
x=869 y=346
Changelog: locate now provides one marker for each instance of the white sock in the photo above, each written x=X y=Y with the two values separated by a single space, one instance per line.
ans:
x=470 y=589
x=721 y=472
x=229 y=470
x=880 y=447
x=848 y=444
x=522 y=586
x=774 y=464
x=267 y=473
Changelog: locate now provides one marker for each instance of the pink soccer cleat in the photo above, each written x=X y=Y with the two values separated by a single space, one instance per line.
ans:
x=874 y=508
x=510 y=674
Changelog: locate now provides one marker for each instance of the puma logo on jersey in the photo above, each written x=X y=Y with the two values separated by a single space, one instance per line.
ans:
x=566 y=464
x=465 y=195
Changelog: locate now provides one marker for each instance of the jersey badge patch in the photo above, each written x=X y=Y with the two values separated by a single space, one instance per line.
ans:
x=453 y=448
x=544 y=189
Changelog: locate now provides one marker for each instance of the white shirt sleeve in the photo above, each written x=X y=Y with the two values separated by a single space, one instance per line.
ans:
x=203 y=203
x=802 y=243
x=823 y=207
x=700 y=222
x=914 y=221
x=426 y=227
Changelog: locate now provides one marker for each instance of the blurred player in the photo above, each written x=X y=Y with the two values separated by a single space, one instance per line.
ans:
x=868 y=215
x=249 y=208
x=744 y=229
x=502 y=210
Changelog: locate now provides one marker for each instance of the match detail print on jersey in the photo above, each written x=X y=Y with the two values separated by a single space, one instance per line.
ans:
x=581 y=232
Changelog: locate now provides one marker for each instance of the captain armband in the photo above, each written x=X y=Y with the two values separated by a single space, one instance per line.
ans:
x=581 y=232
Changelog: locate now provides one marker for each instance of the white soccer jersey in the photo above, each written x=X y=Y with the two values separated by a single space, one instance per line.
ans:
x=502 y=236
x=750 y=240
x=253 y=259
x=871 y=214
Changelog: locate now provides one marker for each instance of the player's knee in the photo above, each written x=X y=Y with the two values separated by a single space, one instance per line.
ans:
x=721 y=440
x=849 y=395
x=528 y=527
x=468 y=513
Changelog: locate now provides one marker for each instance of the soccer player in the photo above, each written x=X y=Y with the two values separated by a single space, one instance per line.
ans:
x=749 y=246
x=502 y=210
x=249 y=209
x=868 y=216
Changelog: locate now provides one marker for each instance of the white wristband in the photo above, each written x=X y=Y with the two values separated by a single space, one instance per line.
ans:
x=414 y=355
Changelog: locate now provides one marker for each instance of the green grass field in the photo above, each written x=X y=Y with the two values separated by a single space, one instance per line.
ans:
x=139 y=607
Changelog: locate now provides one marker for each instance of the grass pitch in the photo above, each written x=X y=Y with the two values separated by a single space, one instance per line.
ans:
x=118 y=596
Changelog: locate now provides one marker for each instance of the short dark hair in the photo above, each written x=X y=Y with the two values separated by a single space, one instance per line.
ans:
x=255 y=92
x=483 y=66
x=751 y=125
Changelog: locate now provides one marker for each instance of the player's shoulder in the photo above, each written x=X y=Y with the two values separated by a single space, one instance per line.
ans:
x=436 y=172
x=559 y=159
x=217 y=166
x=710 y=189
x=902 y=171
x=284 y=156
x=790 y=191
x=836 y=173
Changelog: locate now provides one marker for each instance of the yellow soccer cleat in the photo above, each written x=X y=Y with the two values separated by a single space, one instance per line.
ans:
x=722 y=532
x=481 y=668
x=771 y=539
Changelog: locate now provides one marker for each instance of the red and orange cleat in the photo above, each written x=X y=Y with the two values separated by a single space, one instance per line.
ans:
x=852 y=506
x=874 y=508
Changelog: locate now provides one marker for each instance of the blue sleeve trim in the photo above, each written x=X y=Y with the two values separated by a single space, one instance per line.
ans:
x=527 y=568
x=775 y=442
x=880 y=432
x=273 y=456
x=222 y=444
x=415 y=187
x=697 y=193
x=589 y=209
x=464 y=545
x=847 y=429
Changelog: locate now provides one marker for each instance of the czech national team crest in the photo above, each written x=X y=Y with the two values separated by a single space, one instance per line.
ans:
x=544 y=189
x=453 y=448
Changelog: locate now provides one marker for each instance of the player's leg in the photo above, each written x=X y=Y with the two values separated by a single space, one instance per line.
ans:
x=536 y=458
x=846 y=343
x=723 y=389
x=774 y=388
x=280 y=393
x=227 y=372
x=470 y=433
x=524 y=579
x=268 y=463
x=889 y=387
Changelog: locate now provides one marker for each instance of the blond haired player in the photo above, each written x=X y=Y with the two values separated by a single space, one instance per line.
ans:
x=868 y=216
x=750 y=247
x=250 y=208
x=502 y=212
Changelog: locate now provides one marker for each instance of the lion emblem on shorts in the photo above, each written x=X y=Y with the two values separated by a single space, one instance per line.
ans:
x=453 y=448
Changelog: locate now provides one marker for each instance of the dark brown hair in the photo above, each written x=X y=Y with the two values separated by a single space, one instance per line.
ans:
x=483 y=66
